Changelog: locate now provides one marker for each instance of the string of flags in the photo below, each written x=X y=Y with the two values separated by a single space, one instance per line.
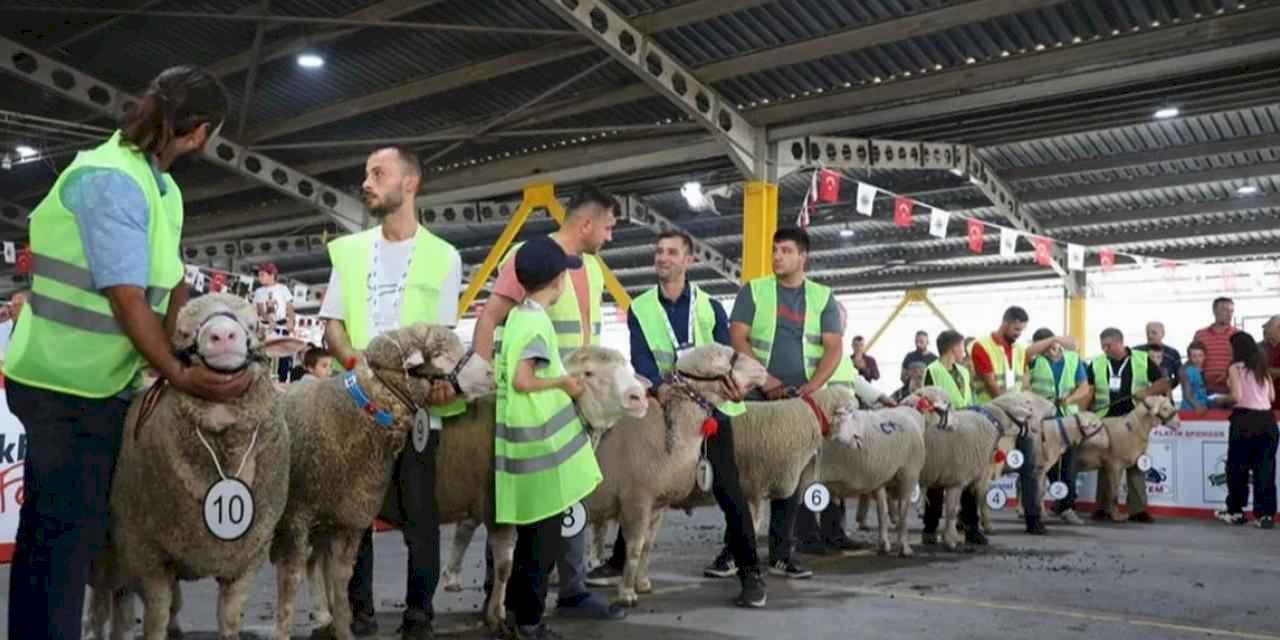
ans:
x=825 y=188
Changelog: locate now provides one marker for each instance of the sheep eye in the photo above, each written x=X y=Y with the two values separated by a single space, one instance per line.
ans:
x=587 y=374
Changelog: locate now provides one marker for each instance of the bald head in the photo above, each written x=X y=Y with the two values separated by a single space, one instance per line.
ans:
x=1155 y=333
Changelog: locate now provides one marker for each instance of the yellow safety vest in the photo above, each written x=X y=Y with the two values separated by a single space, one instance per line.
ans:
x=1102 y=379
x=960 y=393
x=564 y=314
x=67 y=338
x=658 y=332
x=764 y=293
x=1044 y=385
x=999 y=365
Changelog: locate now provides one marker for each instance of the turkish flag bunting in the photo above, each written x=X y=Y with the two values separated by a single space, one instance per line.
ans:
x=23 y=261
x=1044 y=251
x=902 y=211
x=975 y=236
x=1107 y=258
x=828 y=186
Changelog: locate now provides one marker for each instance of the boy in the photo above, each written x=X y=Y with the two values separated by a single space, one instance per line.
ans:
x=531 y=489
x=318 y=363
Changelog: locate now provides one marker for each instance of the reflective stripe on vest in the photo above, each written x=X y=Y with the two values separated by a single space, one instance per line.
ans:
x=1044 y=385
x=542 y=459
x=70 y=341
x=999 y=363
x=1102 y=379
x=653 y=325
x=565 y=314
x=764 y=325
x=432 y=259
x=961 y=393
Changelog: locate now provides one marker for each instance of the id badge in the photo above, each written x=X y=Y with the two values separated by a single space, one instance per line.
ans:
x=1114 y=383
x=1009 y=379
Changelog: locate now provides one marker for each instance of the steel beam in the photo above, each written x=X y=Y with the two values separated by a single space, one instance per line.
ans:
x=1219 y=174
x=39 y=69
x=648 y=216
x=253 y=249
x=1133 y=159
x=648 y=60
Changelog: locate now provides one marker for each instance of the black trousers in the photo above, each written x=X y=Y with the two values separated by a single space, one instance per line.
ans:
x=933 y=510
x=827 y=526
x=1251 y=449
x=537 y=547
x=1065 y=472
x=739 y=530
x=70 y=453
x=410 y=504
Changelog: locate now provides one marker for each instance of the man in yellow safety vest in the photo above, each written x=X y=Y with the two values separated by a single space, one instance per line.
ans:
x=393 y=275
x=1059 y=376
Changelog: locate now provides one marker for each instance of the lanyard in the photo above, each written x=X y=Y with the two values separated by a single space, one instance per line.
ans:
x=374 y=301
x=676 y=345
x=1120 y=373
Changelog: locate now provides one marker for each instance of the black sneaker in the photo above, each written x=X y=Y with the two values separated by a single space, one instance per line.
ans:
x=604 y=575
x=415 y=628
x=929 y=537
x=1267 y=522
x=1143 y=517
x=722 y=567
x=753 y=594
x=975 y=537
x=1229 y=517
x=789 y=569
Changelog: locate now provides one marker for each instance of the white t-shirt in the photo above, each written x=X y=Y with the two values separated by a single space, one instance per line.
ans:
x=393 y=261
x=276 y=298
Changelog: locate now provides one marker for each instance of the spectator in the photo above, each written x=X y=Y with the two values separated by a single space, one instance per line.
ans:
x=275 y=310
x=1216 y=339
x=1251 y=443
x=318 y=364
x=1168 y=358
x=921 y=354
x=914 y=374
x=1194 y=396
x=863 y=362
x=9 y=313
x=1271 y=349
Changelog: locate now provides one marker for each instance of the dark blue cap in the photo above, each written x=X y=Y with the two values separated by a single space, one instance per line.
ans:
x=541 y=260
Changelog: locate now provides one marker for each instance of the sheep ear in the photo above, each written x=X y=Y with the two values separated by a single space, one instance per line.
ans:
x=414 y=359
x=644 y=382
x=282 y=347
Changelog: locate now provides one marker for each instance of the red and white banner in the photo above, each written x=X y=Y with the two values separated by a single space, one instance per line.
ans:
x=828 y=186
x=902 y=211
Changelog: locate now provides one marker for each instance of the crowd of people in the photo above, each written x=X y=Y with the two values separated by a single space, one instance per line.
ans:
x=108 y=282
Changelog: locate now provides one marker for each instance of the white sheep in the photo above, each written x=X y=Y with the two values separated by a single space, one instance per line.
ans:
x=959 y=454
x=1059 y=435
x=1126 y=440
x=175 y=449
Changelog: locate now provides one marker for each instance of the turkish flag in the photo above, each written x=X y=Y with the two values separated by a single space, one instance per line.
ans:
x=975 y=236
x=24 y=260
x=828 y=186
x=1107 y=258
x=902 y=211
x=1044 y=251
x=217 y=283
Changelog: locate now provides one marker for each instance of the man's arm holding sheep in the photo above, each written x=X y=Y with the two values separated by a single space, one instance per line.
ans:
x=178 y=297
x=832 y=327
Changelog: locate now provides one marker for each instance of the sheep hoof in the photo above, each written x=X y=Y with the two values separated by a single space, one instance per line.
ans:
x=324 y=632
x=321 y=619
x=885 y=548
x=628 y=599
x=949 y=546
x=452 y=582
x=862 y=526
x=174 y=634
x=906 y=550
x=643 y=585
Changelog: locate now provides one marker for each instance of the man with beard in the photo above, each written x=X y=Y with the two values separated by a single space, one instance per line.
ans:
x=393 y=275
x=587 y=226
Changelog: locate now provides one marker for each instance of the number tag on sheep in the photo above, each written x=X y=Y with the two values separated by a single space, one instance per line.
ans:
x=1144 y=463
x=573 y=520
x=1058 y=490
x=817 y=497
x=228 y=509
x=704 y=475
x=1014 y=460
x=421 y=430
x=997 y=498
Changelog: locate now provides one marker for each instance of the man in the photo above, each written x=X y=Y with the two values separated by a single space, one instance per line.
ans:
x=863 y=362
x=274 y=303
x=792 y=326
x=1000 y=366
x=587 y=226
x=1271 y=351
x=9 y=313
x=1121 y=376
x=107 y=283
x=394 y=275
x=915 y=378
x=1217 y=346
x=664 y=322
x=953 y=378
x=921 y=354
x=1169 y=360
x=1060 y=377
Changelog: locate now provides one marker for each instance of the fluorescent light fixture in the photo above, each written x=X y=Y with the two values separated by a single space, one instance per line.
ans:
x=310 y=60
x=25 y=152
x=693 y=195
x=957 y=171
x=846 y=233
x=1248 y=190
x=1164 y=113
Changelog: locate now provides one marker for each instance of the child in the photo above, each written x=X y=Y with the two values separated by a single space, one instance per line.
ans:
x=318 y=363
x=532 y=489
x=1194 y=396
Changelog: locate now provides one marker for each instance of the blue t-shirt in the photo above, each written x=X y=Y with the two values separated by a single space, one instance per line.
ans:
x=112 y=214
x=1195 y=388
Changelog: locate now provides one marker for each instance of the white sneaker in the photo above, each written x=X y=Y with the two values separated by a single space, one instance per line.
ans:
x=1070 y=517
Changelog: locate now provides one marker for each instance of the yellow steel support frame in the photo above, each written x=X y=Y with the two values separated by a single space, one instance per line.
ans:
x=911 y=295
x=536 y=196
x=759 y=222
x=1075 y=312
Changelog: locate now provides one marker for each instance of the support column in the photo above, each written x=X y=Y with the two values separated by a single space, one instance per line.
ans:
x=759 y=222
x=1075 y=312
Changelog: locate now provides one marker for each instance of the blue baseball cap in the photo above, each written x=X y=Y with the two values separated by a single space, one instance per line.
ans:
x=541 y=260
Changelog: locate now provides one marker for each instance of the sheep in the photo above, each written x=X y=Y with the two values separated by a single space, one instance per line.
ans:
x=341 y=459
x=958 y=454
x=175 y=448
x=1042 y=410
x=1126 y=440
x=1059 y=435
x=875 y=450
x=464 y=475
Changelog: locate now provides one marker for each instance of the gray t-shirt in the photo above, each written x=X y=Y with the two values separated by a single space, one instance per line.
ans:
x=786 y=363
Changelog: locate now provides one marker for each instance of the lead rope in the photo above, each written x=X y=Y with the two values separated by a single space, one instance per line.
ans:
x=252 y=441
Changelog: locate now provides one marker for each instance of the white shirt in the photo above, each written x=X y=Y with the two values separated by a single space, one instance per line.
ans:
x=276 y=298
x=393 y=258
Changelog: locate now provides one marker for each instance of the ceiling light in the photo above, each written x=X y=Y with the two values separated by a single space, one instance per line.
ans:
x=1164 y=113
x=1248 y=190
x=692 y=192
x=25 y=152
x=846 y=233
x=310 y=60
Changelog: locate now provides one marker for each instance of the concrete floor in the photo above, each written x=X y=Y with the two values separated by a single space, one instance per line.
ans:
x=1174 y=579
